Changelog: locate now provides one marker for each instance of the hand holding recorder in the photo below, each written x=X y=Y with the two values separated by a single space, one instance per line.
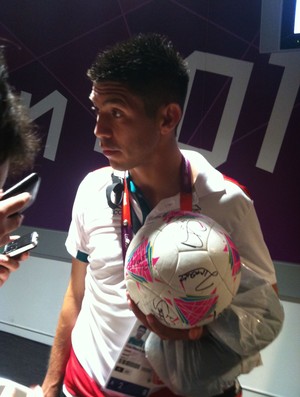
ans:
x=10 y=216
x=15 y=251
x=12 y=203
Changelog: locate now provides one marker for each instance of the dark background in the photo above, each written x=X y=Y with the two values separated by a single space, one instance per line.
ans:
x=51 y=43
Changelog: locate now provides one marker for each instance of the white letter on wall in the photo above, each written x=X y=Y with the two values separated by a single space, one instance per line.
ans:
x=58 y=103
x=282 y=109
x=240 y=72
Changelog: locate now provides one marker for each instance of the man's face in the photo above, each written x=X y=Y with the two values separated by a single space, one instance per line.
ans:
x=140 y=332
x=128 y=137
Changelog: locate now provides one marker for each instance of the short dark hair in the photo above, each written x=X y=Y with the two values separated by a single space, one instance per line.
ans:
x=143 y=327
x=19 y=142
x=149 y=66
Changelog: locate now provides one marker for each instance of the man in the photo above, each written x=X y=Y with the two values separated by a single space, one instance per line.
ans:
x=19 y=145
x=137 y=339
x=138 y=93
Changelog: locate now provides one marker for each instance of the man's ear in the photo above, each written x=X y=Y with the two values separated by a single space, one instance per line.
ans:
x=170 y=117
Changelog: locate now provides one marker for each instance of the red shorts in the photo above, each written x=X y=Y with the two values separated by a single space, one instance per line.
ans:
x=80 y=384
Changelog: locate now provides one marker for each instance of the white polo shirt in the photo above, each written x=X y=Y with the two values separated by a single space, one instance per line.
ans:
x=105 y=321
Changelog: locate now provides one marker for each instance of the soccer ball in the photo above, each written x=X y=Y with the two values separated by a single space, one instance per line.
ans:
x=183 y=268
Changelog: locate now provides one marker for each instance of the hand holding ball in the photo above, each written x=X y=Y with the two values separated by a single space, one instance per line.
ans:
x=183 y=268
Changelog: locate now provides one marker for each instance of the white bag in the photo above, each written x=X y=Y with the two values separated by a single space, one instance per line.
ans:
x=208 y=366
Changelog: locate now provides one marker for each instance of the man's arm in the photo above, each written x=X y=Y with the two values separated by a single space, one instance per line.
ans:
x=62 y=342
x=254 y=318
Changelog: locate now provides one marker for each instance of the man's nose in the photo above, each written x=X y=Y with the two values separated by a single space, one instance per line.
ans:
x=101 y=128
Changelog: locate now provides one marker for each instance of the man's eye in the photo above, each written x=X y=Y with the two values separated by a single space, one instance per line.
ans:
x=116 y=113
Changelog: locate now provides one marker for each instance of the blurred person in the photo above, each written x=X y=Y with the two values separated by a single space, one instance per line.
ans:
x=19 y=145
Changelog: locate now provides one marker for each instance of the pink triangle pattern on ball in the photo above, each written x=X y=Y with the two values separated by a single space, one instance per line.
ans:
x=141 y=262
x=192 y=310
x=234 y=257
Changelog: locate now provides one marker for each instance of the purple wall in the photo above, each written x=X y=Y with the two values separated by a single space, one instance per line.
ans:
x=242 y=114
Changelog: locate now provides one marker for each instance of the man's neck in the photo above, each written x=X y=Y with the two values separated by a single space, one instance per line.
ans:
x=160 y=180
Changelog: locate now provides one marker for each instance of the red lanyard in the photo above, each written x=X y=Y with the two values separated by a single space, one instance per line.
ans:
x=127 y=233
x=186 y=202
x=186 y=197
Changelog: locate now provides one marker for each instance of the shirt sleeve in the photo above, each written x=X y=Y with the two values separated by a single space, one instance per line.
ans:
x=240 y=219
x=76 y=239
x=252 y=248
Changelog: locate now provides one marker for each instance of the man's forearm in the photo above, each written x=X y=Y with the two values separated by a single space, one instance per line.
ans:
x=60 y=350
